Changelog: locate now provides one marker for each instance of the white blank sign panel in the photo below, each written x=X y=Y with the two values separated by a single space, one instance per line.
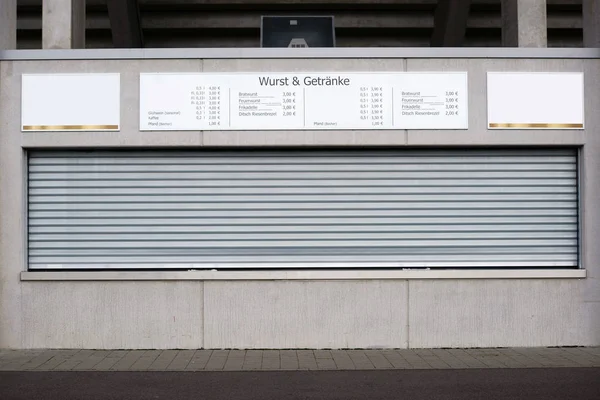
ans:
x=535 y=100
x=311 y=101
x=70 y=102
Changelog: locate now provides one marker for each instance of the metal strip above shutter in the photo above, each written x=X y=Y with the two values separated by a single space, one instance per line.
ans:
x=289 y=209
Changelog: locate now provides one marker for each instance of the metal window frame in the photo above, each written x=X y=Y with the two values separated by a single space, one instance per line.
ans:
x=25 y=205
x=339 y=271
x=580 y=204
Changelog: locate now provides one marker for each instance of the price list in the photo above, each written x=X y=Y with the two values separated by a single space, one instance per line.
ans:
x=177 y=102
x=451 y=103
x=361 y=107
x=207 y=103
x=372 y=106
x=433 y=104
x=303 y=101
x=265 y=108
x=289 y=104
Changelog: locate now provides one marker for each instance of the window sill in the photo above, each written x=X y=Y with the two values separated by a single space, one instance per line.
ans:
x=225 y=275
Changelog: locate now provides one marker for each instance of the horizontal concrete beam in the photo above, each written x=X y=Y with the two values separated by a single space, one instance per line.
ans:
x=374 y=2
x=317 y=53
x=170 y=39
x=295 y=2
x=246 y=20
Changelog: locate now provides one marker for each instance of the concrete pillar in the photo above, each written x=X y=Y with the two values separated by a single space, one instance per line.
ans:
x=524 y=23
x=8 y=24
x=63 y=24
x=591 y=23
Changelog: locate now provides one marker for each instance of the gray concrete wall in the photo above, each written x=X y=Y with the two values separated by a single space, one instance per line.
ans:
x=330 y=313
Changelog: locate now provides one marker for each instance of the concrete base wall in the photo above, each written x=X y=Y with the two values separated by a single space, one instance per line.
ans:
x=114 y=315
x=307 y=314
x=252 y=313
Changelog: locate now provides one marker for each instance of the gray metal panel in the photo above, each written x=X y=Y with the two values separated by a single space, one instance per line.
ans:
x=184 y=209
x=299 y=53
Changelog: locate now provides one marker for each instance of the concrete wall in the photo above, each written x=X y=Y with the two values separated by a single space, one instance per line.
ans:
x=279 y=313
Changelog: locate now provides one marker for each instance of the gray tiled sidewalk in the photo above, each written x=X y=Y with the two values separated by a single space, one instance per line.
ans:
x=270 y=360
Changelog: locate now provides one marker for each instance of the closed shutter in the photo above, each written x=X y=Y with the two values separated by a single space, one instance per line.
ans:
x=281 y=209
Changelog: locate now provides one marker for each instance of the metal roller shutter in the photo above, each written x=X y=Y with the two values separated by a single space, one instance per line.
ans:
x=258 y=209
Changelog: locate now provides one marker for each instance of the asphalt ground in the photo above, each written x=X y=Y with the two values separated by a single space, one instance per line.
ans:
x=488 y=384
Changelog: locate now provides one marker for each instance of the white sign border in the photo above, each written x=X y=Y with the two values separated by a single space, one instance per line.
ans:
x=108 y=127
x=533 y=126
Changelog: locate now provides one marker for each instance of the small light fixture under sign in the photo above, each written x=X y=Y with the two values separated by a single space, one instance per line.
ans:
x=293 y=22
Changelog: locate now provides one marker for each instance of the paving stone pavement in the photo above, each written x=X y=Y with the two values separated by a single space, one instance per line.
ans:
x=279 y=360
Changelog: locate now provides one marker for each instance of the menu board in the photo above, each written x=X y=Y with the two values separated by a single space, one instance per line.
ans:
x=305 y=101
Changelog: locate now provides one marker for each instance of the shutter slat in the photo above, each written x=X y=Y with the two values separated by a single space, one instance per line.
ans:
x=52 y=231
